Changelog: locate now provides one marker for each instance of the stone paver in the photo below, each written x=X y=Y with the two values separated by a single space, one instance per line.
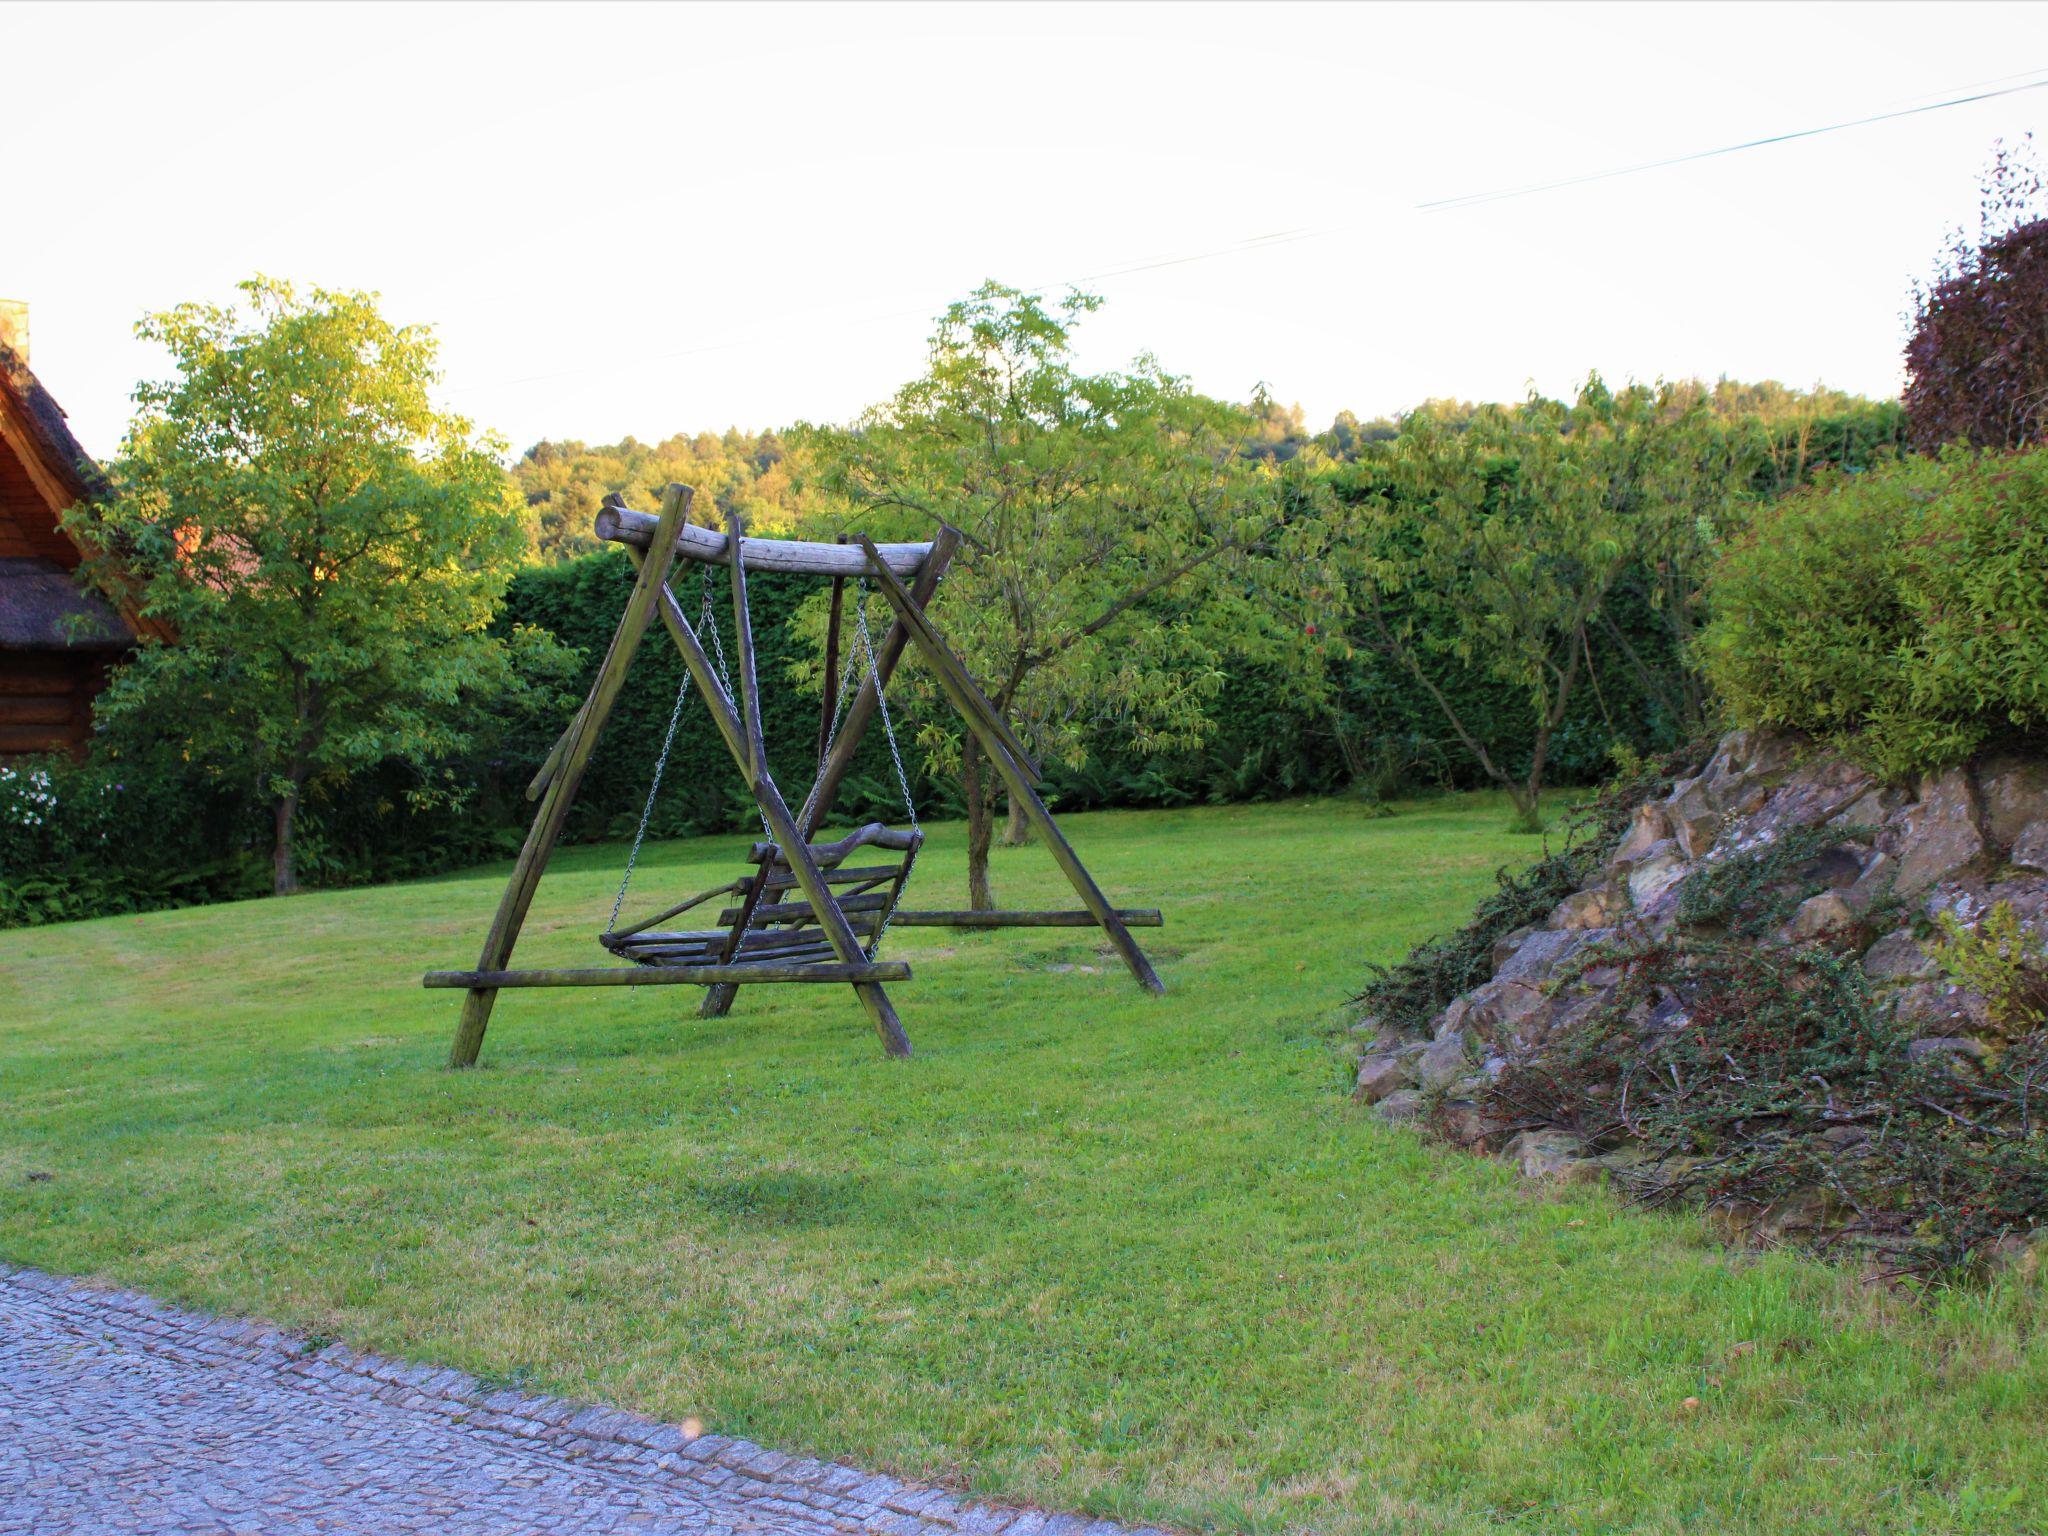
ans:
x=119 y=1414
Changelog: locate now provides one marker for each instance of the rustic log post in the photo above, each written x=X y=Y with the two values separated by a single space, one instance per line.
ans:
x=649 y=585
x=981 y=719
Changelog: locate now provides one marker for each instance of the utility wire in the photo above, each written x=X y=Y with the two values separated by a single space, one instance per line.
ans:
x=1473 y=199
x=1293 y=236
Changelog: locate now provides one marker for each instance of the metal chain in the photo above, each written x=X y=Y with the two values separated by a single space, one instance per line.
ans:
x=895 y=755
x=668 y=740
x=841 y=707
x=708 y=617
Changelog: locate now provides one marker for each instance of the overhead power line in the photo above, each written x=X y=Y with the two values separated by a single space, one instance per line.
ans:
x=1294 y=236
x=1473 y=199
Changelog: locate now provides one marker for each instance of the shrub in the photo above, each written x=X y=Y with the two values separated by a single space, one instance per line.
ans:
x=1977 y=361
x=83 y=841
x=1900 y=615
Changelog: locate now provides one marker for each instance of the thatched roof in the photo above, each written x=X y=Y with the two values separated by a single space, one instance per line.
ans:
x=61 y=453
x=42 y=608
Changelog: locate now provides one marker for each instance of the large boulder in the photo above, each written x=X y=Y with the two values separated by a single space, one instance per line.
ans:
x=1898 y=956
x=2030 y=848
x=1382 y=1073
x=1441 y=1062
x=1645 y=831
x=1745 y=762
x=1601 y=906
x=1819 y=916
x=1809 y=797
x=2014 y=794
x=1545 y=1154
x=1657 y=875
x=1402 y=1106
x=1693 y=816
x=1940 y=837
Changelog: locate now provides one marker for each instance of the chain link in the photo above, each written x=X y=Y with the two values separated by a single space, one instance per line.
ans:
x=668 y=740
x=895 y=756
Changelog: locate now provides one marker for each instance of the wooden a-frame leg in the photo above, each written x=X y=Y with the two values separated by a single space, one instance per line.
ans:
x=649 y=585
x=962 y=692
x=718 y=1000
x=782 y=826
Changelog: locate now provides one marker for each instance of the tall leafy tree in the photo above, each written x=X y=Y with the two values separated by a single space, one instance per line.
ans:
x=1120 y=545
x=1502 y=532
x=327 y=547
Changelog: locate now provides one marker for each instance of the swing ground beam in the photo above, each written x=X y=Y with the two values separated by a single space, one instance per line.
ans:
x=670 y=975
x=1130 y=917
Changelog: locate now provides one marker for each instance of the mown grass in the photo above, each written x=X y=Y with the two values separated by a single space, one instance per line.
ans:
x=1134 y=1256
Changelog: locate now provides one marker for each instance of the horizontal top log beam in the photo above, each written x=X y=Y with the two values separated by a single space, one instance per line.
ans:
x=622 y=525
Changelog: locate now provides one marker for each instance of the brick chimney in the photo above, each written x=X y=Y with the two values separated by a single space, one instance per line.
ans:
x=14 y=327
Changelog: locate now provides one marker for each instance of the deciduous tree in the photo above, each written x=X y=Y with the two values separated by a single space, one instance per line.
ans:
x=327 y=546
x=1119 y=543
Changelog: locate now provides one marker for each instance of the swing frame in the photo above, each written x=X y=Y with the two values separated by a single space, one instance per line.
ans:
x=908 y=576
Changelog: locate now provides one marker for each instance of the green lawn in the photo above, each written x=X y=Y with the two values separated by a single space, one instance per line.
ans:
x=1136 y=1256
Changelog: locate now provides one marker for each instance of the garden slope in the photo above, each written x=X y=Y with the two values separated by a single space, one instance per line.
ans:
x=1134 y=1255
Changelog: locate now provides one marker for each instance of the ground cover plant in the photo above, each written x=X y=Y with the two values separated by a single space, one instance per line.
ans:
x=1136 y=1256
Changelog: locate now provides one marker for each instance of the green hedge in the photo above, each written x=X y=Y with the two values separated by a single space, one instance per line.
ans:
x=1901 y=614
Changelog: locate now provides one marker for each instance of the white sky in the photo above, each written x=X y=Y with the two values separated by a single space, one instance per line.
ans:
x=648 y=219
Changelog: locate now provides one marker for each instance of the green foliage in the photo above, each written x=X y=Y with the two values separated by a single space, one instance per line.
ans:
x=1498 y=534
x=327 y=548
x=1899 y=615
x=2004 y=962
x=564 y=483
x=84 y=840
x=1120 y=547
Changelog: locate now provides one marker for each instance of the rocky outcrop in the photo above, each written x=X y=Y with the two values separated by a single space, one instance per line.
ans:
x=1863 y=869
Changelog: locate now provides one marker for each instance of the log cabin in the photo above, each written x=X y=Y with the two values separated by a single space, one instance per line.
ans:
x=58 y=641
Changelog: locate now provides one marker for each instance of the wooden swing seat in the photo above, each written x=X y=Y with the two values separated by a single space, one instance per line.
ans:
x=775 y=924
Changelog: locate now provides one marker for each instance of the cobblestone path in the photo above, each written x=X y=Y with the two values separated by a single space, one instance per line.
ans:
x=119 y=1414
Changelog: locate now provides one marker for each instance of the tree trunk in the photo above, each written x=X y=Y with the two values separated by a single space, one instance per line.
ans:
x=980 y=827
x=284 y=877
x=1016 y=830
x=1527 y=799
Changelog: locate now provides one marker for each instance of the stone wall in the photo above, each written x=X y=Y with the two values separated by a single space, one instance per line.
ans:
x=1894 y=859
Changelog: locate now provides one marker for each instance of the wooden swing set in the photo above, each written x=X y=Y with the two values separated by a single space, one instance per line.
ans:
x=802 y=913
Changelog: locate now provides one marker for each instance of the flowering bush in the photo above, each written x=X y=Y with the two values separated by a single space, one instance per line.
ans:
x=27 y=798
